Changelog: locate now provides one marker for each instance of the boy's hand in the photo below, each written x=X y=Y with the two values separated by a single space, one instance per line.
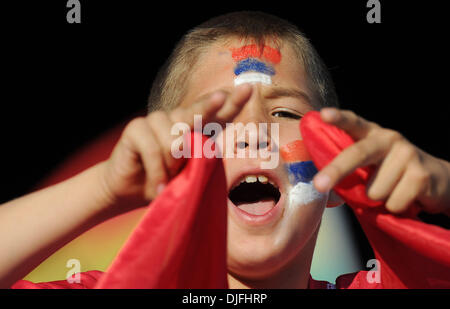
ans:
x=404 y=172
x=142 y=163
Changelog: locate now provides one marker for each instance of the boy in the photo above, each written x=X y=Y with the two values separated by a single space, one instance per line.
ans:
x=206 y=76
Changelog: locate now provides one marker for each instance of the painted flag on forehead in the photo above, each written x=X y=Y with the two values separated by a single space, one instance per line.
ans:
x=254 y=63
x=411 y=253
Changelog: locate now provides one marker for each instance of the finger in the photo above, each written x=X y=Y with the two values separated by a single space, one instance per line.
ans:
x=410 y=186
x=204 y=108
x=390 y=172
x=142 y=141
x=234 y=103
x=161 y=126
x=356 y=126
x=367 y=151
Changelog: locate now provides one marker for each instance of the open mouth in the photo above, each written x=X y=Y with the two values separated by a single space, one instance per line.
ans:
x=255 y=194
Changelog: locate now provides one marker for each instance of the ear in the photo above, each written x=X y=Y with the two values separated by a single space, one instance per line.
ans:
x=334 y=200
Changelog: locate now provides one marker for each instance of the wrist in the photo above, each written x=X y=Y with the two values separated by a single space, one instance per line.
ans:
x=108 y=202
x=105 y=198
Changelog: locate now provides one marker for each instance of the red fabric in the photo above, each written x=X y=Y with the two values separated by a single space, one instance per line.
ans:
x=181 y=240
x=179 y=243
x=412 y=254
x=88 y=280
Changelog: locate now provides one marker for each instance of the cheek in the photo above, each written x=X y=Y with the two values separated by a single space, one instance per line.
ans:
x=305 y=203
x=289 y=131
x=303 y=194
x=303 y=207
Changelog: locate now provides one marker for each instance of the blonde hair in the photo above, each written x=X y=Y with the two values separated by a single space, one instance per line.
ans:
x=171 y=81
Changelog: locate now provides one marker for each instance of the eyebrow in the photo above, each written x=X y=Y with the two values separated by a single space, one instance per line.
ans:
x=227 y=90
x=287 y=92
x=271 y=92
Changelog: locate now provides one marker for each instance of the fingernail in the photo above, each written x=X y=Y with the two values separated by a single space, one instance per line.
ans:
x=322 y=182
x=218 y=97
x=330 y=113
x=160 y=188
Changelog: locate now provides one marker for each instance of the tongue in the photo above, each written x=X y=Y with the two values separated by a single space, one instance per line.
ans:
x=258 y=208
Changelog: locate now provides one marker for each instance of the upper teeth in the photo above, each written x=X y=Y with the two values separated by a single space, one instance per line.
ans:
x=250 y=179
x=253 y=178
x=263 y=179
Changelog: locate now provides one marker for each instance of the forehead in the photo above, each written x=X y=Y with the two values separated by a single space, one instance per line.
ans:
x=217 y=67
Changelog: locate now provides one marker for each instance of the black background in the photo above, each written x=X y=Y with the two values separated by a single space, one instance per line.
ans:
x=65 y=84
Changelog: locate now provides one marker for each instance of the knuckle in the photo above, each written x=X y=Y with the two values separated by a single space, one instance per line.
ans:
x=422 y=175
x=373 y=125
x=349 y=113
x=177 y=114
x=375 y=194
x=132 y=128
x=360 y=152
x=348 y=116
x=134 y=124
x=359 y=122
x=156 y=117
x=391 y=136
x=408 y=152
x=390 y=205
x=394 y=207
x=371 y=193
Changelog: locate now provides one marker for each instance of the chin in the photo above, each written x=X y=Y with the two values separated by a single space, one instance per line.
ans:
x=257 y=256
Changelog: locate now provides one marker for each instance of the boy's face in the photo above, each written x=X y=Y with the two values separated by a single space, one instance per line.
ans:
x=267 y=233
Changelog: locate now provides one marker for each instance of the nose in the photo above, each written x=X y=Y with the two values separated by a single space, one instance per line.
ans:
x=260 y=145
x=252 y=127
x=252 y=140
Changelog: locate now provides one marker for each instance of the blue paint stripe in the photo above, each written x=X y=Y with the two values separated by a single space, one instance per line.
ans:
x=251 y=64
x=301 y=171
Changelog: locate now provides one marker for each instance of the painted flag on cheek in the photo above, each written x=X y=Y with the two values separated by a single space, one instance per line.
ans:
x=411 y=253
x=299 y=166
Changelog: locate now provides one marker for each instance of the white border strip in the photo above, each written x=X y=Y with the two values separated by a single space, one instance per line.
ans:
x=252 y=77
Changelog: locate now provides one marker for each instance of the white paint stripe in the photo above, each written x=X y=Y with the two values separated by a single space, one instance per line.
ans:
x=299 y=195
x=252 y=77
x=304 y=193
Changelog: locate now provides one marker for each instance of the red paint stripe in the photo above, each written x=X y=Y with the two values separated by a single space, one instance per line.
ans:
x=294 y=152
x=254 y=51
